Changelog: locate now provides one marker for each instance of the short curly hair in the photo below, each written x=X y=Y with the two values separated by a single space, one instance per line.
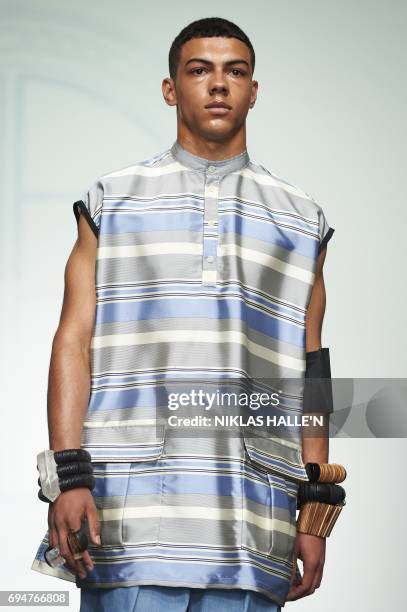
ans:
x=206 y=28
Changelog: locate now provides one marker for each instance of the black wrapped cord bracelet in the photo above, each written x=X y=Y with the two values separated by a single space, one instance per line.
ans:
x=326 y=493
x=73 y=469
x=68 y=469
x=78 y=467
x=68 y=455
x=77 y=480
x=72 y=482
x=87 y=479
x=42 y=497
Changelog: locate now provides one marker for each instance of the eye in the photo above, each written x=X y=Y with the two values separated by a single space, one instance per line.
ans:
x=238 y=71
x=195 y=69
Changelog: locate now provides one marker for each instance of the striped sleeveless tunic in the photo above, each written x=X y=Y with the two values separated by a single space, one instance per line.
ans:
x=204 y=271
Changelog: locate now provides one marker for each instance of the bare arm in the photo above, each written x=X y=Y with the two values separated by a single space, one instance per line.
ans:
x=316 y=449
x=69 y=388
x=69 y=372
x=309 y=548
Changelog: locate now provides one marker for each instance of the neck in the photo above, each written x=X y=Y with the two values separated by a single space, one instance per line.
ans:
x=209 y=148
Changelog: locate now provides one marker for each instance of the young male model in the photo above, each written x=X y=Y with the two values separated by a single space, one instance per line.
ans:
x=209 y=265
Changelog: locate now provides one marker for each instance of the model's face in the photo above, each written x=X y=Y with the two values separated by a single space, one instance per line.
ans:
x=212 y=70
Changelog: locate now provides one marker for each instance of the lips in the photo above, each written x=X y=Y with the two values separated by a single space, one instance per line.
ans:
x=218 y=105
x=218 y=108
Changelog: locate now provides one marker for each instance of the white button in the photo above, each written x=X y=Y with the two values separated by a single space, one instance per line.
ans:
x=211 y=188
x=210 y=258
x=211 y=169
x=211 y=222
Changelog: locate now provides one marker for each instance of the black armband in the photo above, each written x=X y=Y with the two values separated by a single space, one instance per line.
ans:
x=318 y=383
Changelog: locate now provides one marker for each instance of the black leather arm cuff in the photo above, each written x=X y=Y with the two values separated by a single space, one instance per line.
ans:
x=317 y=383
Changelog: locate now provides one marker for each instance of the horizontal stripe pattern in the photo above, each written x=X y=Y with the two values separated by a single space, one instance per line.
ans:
x=204 y=271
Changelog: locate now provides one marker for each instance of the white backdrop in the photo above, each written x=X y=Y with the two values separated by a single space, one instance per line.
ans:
x=80 y=95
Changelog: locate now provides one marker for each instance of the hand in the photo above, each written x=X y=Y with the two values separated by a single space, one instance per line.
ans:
x=66 y=513
x=311 y=550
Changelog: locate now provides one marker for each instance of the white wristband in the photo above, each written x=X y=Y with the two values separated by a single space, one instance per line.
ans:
x=47 y=468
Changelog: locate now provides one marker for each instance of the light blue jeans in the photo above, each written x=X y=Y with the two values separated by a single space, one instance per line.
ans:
x=147 y=598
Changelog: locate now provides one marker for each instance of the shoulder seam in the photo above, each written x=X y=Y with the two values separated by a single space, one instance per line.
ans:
x=149 y=161
x=286 y=182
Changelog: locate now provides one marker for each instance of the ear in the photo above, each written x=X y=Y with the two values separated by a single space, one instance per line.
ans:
x=169 y=93
x=255 y=86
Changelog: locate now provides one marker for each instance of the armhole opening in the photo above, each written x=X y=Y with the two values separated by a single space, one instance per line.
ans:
x=80 y=207
x=325 y=239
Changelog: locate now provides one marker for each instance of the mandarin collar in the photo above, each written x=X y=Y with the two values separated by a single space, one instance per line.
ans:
x=215 y=167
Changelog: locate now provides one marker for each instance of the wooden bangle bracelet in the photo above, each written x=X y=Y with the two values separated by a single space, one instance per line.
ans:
x=316 y=518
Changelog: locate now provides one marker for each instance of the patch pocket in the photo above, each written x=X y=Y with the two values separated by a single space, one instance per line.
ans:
x=283 y=504
x=123 y=458
x=277 y=455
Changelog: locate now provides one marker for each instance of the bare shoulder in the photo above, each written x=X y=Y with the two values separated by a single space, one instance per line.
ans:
x=79 y=301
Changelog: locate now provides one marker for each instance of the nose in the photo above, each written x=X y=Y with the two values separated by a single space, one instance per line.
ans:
x=218 y=82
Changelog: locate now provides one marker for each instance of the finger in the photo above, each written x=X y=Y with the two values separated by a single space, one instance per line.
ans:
x=87 y=560
x=52 y=532
x=298 y=576
x=294 y=565
x=294 y=584
x=62 y=531
x=306 y=586
x=318 y=577
x=75 y=525
x=53 y=537
x=93 y=522
x=65 y=551
x=81 y=569
x=51 y=518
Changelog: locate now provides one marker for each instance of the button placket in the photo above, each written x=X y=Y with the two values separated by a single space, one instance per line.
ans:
x=210 y=227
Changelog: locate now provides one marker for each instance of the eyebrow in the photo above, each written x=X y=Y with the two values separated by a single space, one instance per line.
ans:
x=228 y=63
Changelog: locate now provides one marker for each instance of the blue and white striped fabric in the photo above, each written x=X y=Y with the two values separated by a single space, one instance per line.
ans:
x=204 y=270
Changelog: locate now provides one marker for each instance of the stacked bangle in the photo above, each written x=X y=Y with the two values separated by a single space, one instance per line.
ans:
x=63 y=470
x=320 y=500
x=327 y=493
x=325 y=472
